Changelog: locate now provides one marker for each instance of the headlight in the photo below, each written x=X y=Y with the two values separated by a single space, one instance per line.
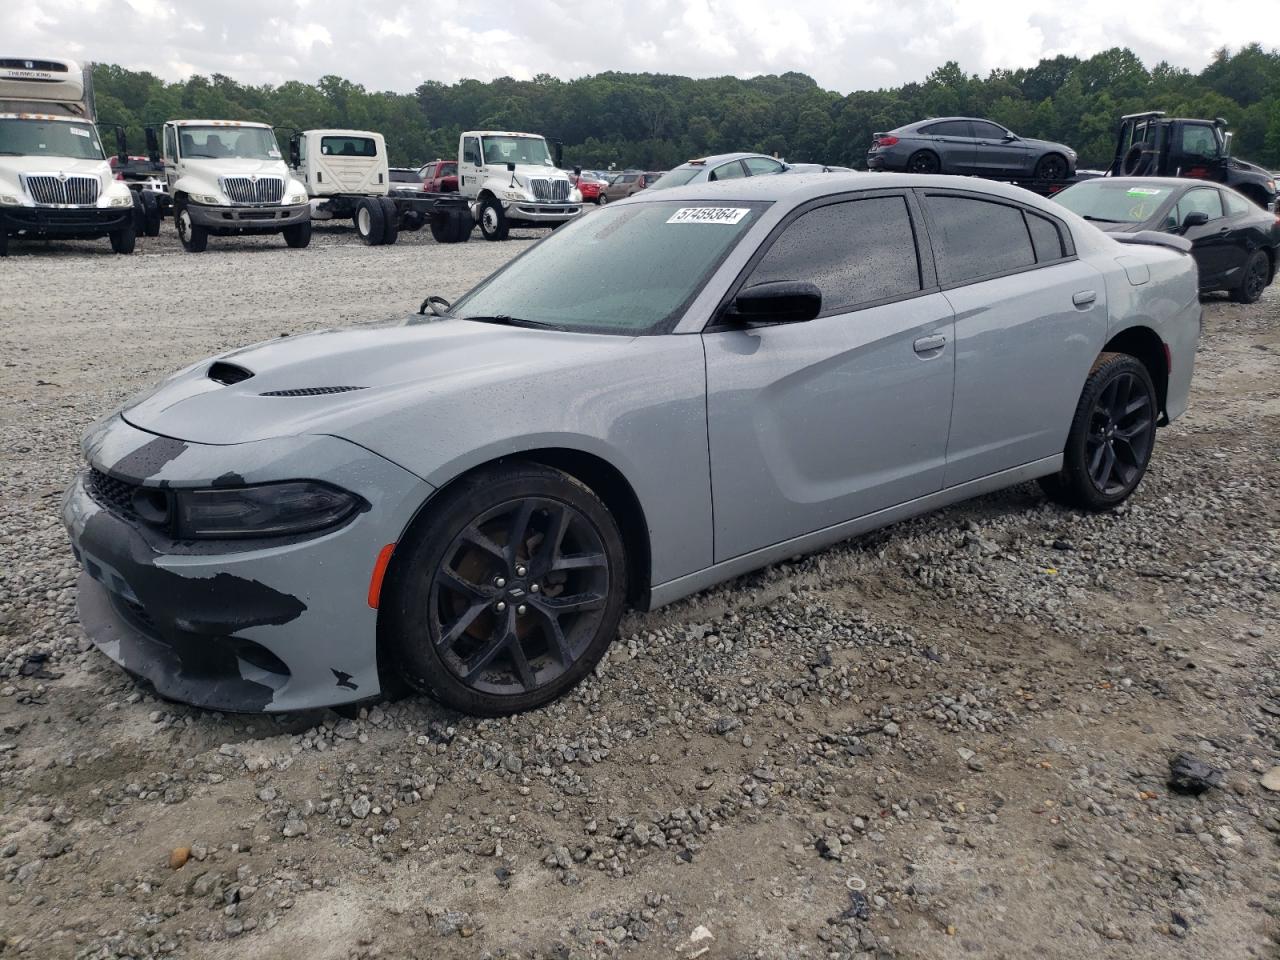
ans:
x=512 y=195
x=8 y=201
x=265 y=510
x=205 y=198
x=298 y=198
x=122 y=201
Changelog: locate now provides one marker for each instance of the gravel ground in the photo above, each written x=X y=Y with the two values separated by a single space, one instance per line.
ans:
x=947 y=739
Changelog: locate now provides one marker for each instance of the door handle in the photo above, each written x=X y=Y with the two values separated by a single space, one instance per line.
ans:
x=930 y=344
x=1084 y=297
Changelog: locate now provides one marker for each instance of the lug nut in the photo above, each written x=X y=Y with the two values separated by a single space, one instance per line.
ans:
x=534 y=588
x=500 y=606
x=499 y=582
x=522 y=609
x=521 y=571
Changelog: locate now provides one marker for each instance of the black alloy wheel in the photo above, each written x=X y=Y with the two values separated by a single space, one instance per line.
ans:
x=1257 y=271
x=509 y=592
x=1051 y=167
x=924 y=161
x=1111 y=438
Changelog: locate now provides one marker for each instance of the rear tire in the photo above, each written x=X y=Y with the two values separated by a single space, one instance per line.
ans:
x=194 y=237
x=491 y=621
x=150 y=214
x=1257 y=273
x=493 y=222
x=390 y=221
x=1136 y=160
x=124 y=239
x=1111 y=438
x=369 y=221
x=454 y=227
x=924 y=161
x=4 y=241
x=298 y=235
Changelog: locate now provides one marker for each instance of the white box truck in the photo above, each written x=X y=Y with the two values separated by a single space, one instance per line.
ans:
x=345 y=173
x=55 y=180
x=228 y=177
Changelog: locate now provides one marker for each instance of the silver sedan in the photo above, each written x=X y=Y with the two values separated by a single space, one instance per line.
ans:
x=683 y=387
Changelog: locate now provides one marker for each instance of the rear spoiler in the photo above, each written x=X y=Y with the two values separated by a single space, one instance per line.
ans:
x=1154 y=238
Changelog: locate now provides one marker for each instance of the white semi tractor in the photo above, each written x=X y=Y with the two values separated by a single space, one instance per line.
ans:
x=55 y=180
x=228 y=178
x=512 y=180
x=345 y=174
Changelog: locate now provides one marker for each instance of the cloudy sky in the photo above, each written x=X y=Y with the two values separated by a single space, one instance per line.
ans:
x=396 y=44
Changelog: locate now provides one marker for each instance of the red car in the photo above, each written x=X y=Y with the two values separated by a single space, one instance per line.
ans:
x=440 y=176
x=588 y=186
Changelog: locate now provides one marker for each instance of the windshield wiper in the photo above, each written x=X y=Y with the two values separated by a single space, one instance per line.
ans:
x=1101 y=219
x=503 y=320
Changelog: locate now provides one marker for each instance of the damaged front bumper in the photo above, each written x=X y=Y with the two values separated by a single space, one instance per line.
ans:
x=240 y=626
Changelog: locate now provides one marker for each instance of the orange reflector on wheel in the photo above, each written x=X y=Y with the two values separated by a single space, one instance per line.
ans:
x=379 y=571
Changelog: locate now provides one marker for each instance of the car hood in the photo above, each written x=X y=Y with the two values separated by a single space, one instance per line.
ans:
x=391 y=367
x=1040 y=144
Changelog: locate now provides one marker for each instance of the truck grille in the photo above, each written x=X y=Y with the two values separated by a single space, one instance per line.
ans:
x=245 y=190
x=45 y=188
x=554 y=190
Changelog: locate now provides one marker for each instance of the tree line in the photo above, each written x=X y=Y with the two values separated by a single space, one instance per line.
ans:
x=655 y=121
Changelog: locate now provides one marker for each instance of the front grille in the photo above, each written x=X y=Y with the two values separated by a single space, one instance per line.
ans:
x=554 y=190
x=247 y=190
x=48 y=66
x=47 y=188
x=308 y=391
x=112 y=494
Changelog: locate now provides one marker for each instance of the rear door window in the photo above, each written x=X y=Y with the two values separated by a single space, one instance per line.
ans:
x=973 y=239
x=857 y=252
x=760 y=165
x=950 y=128
x=987 y=131
x=1234 y=203
x=728 y=171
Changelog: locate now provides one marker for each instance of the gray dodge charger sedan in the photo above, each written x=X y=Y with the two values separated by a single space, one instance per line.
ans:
x=675 y=390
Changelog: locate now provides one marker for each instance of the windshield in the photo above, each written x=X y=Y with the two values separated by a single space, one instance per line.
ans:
x=49 y=138
x=627 y=270
x=217 y=143
x=1114 y=201
x=676 y=178
x=504 y=150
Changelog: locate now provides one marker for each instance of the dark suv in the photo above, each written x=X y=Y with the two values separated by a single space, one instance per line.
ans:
x=969 y=145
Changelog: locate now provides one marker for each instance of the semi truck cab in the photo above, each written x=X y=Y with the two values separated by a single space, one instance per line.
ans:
x=512 y=181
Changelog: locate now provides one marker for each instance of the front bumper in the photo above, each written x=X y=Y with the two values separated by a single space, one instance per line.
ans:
x=533 y=211
x=270 y=217
x=65 y=221
x=236 y=626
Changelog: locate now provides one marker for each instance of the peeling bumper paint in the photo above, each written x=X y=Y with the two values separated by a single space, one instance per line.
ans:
x=241 y=626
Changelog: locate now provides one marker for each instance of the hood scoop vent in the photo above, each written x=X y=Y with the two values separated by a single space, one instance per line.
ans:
x=308 y=391
x=228 y=373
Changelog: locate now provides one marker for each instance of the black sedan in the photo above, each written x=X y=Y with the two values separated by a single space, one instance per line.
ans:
x=969 y=145
x=1236 y=244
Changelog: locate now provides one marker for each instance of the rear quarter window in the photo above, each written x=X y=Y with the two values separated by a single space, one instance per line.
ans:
x=1045 y=238
x=973 y=239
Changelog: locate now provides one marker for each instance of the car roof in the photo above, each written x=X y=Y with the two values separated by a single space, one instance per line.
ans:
x=720 y=158
x=797 y=188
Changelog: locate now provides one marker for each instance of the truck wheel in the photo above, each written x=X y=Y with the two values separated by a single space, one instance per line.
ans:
x=194 y=237
x=4 y=241
x=298 y=235
x=150 y=214
x=123 y=240
x=493 y=222
x=139 y=217
x=453 y=227
x=368 y=220
x=390 y=220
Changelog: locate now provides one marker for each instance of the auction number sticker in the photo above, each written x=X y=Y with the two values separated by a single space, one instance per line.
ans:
x=79 y=132
x=1144 y=191
x=728 y=215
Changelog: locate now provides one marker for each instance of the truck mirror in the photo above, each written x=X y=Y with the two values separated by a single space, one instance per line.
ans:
x=1226 y=143
x=295 y=156
x=559 y=155
x=153 y=145
x=122 y=147
x=577 y=171
x=511 y=167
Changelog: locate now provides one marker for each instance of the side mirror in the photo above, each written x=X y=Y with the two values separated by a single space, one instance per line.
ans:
x=1196 y=218
x=1008 y=138
x=153 y=145
x=122 y=147
x=1226 y=143
x=577 y=171
x=511 y=167
x=782 y=301
x=295 y=151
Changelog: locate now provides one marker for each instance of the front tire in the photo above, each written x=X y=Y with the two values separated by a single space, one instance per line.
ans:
x=124 y=239
x=1257 y=272
x=369 y=221
x=298 y=235
x=194 y=237
x=1111 y=438
x=1053 y=166
x=507 y=593
x=493 y=222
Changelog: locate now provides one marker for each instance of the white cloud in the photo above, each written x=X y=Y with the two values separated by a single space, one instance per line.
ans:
x=390 y=45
